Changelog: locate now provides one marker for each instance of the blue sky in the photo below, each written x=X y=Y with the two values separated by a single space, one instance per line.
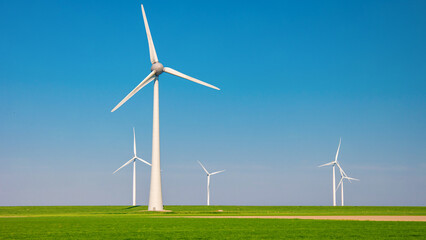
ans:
x=294 y=77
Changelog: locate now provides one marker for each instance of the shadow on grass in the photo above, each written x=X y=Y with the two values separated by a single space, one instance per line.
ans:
x=132 y=207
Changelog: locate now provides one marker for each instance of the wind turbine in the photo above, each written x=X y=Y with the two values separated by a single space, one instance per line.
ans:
x=334 y=163
x=155 y=196
x=208 y=181
x=342 y=177
x=135 y=157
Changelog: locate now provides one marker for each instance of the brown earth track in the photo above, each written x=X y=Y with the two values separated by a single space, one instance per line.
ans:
x=356 y=218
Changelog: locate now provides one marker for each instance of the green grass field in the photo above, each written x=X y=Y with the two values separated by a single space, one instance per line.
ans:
x=123 y=222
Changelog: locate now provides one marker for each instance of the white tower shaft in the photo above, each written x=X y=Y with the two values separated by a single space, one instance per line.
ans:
x=334 y=185
x=343 y=201
x=155 y=196
x=134 y=182
x=208 y=190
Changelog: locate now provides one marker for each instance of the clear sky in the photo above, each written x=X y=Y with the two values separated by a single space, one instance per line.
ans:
x=295 y=77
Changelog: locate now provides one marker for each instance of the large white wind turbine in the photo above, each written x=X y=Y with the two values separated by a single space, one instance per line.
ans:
x=208 y=181
x=334 y=163
x=134 y=158
x=155 y=196
x=342 y=177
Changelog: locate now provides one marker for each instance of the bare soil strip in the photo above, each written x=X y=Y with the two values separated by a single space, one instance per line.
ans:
x=357 y=218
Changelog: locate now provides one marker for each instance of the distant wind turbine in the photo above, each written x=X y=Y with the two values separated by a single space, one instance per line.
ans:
x=208 y=181
x=334 y=163
x=342 y=177
x=135 y=157
x=155 y=195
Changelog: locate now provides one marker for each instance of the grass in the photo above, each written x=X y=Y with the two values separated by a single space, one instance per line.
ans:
x=123 y=222
x=211 y=210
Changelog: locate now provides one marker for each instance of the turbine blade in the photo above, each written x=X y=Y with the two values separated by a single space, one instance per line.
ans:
x=124 y=165
x=147 y=80
x=217 y=172
x=338 y=148
x=152 y=53
x=341 y=169
x=134 y=141
x=327 y=164
x=341 y=172
x=179 y=74
x=338 y=185
x=349 y=178
x=140 y=159
x=205 y=170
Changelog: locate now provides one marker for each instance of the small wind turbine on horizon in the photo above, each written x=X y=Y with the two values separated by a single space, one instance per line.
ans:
x=135 y=157
x=155 y=195
x=334 y=163
x=342 y=177
x=208 y=181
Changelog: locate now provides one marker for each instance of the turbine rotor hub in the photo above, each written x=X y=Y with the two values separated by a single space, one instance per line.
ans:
x=158 y=67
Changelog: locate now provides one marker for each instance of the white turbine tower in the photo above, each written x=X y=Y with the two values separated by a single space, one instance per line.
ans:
x=334 y=163
x=155 y=196
x=208 y=181
x=342 y=177
x=135 y=157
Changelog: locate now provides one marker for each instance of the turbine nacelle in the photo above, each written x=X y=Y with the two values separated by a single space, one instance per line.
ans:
x=158 y=68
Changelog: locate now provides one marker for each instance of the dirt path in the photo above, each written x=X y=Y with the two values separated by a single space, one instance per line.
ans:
x=357 y=218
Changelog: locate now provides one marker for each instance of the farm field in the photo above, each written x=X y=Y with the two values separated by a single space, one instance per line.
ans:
x=124 y=222
x=212 y=211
